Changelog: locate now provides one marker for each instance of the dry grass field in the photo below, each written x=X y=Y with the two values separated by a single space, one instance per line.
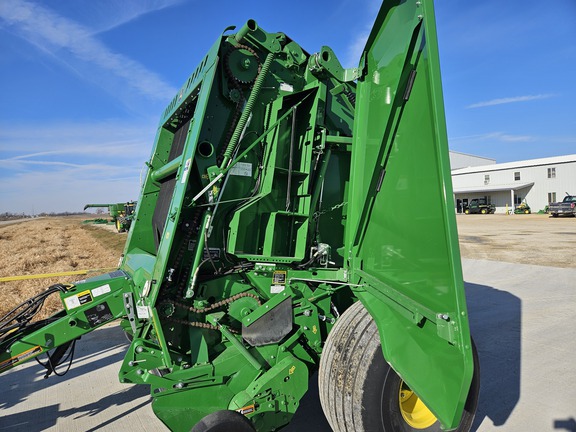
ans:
x=52 y=245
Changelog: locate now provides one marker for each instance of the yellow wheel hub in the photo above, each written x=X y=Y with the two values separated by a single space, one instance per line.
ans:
x=413 y=410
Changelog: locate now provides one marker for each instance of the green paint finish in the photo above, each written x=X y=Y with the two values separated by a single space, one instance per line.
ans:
x=409 y=260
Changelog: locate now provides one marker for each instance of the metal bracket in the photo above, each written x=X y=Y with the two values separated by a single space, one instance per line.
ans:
x=446 y=328
x=130 y=311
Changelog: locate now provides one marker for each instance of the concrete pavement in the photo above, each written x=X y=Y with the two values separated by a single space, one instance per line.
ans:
x=522 y=319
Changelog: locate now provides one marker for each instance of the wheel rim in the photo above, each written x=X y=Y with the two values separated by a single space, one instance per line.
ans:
x=413 y=410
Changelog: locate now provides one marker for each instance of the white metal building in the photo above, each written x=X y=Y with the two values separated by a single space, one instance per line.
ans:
x=536 y=181
x=462 y=160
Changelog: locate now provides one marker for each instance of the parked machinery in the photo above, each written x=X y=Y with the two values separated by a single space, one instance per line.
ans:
x=522 y=208
x=479 y=206
x=275 y=235
x=122 y=214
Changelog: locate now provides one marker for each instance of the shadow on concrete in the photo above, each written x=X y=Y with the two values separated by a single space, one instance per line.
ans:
x=566 y=425
x=496 y=323
x=309 y=416
x=40 y=419
x=93 y=351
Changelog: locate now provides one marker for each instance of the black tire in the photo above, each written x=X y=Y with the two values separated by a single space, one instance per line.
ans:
x=224 y=421
x=354 y=374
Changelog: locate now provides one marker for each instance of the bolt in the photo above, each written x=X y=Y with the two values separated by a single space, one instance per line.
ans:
x=140 y=372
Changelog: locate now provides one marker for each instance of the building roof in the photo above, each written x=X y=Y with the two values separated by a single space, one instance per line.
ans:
x=517 y=164
x=471 y=155
x=492 y=188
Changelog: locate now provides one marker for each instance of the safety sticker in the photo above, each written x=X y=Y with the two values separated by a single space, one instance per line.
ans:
x=279 y=277
x=99 y=314
x=286 y=87
x=186 y=170
x=275 y=289
x=243 y=169
x=247 y=410
x=101 y=290
x=78 y=300
x=143 y=312
x=7 y=364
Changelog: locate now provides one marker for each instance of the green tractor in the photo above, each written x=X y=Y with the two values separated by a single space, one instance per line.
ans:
x=121 y=213
x=275 y=238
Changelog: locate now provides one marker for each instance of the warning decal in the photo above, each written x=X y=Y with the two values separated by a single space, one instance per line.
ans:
x=78 y=300
x=6 y=364
x=247 y=410
x=279 y=277
x=99 y=314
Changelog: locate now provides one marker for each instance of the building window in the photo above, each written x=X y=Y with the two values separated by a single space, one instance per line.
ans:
x=551 y=174
x=517 y=176
x=551 y=196
x=517 y=199
x=486 y=179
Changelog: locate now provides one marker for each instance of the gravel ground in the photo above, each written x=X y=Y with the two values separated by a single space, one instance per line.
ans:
x=524 y=239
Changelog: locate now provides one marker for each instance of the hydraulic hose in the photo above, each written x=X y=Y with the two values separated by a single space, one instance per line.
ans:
x=247 y=109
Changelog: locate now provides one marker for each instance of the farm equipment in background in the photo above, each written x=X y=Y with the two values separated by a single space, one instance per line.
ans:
x=479 y=206
x=122 y=214
x=523 y=208
x=275 y=236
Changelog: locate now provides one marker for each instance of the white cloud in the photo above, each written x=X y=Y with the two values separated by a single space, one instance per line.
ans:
x=76 y=46
x=61 y=167
x=493 y=136
x=356 y=47
x=508 y=100
x=125 y=11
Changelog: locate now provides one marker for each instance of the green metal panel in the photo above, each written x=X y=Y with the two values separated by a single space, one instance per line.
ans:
x=407 y=254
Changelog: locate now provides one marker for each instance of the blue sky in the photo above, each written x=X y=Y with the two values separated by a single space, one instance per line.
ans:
x=84 y=82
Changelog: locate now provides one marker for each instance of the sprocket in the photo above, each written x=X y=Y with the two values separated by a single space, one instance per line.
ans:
x=242 y=64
